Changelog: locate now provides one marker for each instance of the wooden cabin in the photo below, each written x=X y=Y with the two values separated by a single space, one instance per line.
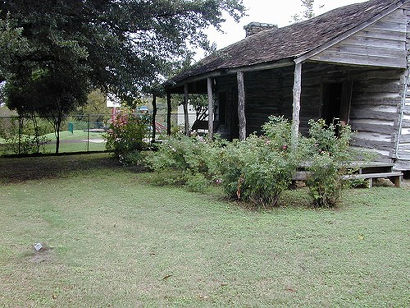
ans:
x=349 y=64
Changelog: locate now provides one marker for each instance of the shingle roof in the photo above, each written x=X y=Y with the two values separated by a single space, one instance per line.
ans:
x=288 y=42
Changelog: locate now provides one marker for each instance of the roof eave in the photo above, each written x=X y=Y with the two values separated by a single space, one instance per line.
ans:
x=222 y=72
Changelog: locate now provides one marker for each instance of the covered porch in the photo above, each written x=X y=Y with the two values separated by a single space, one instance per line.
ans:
x=240 y=101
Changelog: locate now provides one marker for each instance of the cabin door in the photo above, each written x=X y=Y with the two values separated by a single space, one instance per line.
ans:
x=337 y=98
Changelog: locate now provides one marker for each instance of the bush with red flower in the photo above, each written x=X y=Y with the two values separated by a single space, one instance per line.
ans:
x=128 y=134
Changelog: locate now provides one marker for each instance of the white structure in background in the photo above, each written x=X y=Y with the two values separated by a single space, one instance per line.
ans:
x=113 y=101
x=191 y=115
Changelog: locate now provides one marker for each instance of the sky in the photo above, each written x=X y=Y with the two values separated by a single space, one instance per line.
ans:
x=277 y=12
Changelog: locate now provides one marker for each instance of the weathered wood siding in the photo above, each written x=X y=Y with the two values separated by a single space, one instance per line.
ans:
x=375 y=110
x=403 y=153
x=375 y=105
x=381 y=44
x=264 y=97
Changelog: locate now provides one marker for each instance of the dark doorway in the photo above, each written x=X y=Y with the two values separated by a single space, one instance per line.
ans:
x=234 y=121
x=336 y=102
x=222 y=107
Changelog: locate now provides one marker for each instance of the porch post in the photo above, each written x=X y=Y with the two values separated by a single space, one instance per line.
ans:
x=186 y=117
x=169 y=107
x=210 y=109
x=297 y=90
x=241 y=106
x=154 y=115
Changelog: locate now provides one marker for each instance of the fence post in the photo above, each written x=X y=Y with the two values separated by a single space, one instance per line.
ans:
x=19 y=119
x=88 y=143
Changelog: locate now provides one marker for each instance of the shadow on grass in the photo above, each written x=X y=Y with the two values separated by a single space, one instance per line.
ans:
x=14 y=170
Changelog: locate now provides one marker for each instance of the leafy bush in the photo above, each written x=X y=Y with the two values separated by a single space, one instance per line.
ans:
x=260 y=168
x=127 y=134
x=255 y=170
x=329 y=158
x=24 y=135
x=197 y=182
x=187 y=156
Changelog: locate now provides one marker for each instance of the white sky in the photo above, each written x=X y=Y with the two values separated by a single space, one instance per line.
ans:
x=278 y=12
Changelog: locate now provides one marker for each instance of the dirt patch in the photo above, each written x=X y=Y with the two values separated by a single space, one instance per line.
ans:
x=44 y=255
x=41 y=257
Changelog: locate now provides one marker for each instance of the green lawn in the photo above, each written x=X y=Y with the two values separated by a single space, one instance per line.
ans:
x=75 y=135
x=71 y=142
x=117 y=240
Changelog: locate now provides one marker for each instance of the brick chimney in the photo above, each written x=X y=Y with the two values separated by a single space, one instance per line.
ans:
x=255 y=27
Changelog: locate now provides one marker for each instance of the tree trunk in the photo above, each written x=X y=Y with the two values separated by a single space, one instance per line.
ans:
x=169 y=114
x=57 y=132
x=154 y=115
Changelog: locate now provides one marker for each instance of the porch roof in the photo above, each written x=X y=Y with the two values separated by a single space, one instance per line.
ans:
x=287 y=43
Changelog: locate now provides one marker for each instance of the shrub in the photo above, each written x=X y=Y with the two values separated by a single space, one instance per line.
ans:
x=127 y=134
x=329 y=158
x=259 y=169
x=255 y=170
x=197 y=182
x=24 y=135
x=187 y=156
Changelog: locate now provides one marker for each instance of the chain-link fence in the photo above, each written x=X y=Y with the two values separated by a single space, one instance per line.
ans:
x=31 y=135
x=23 y=135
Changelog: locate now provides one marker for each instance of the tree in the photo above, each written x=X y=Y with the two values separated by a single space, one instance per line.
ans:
x=307 y=11
x=12 y=43
x=122 y=45
x=51 y=94
x=118 y=46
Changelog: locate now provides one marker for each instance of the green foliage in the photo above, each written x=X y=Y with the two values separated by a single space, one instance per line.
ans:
x=12 y=44
x=96 y=104
x=329 y=158
x=184 y=155
x=255 y=170
x=24 y=135
x=55 y=52
x=307 y=11
x=197 y=182
x=121 y=46
x=259 y=169
x=127 y=135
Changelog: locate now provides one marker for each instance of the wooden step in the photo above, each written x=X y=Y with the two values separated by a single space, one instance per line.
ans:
x=395 y=177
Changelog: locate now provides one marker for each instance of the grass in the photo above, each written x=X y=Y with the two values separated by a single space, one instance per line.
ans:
x=76 y=135
x=116 y=240
x=66 y=142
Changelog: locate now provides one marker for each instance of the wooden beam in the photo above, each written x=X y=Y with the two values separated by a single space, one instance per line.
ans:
x=186 y=116
x=154 y=115
x=297 y=90
x=210 y=109
x=241 y=106
x=169 y=110
x=261 y=67
x=251 y=68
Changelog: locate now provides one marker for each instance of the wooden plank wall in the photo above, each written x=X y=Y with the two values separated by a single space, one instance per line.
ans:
x=263 y=97
x=375 y=106
x=375 y=110
x=381 y=44
x=403 y=153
